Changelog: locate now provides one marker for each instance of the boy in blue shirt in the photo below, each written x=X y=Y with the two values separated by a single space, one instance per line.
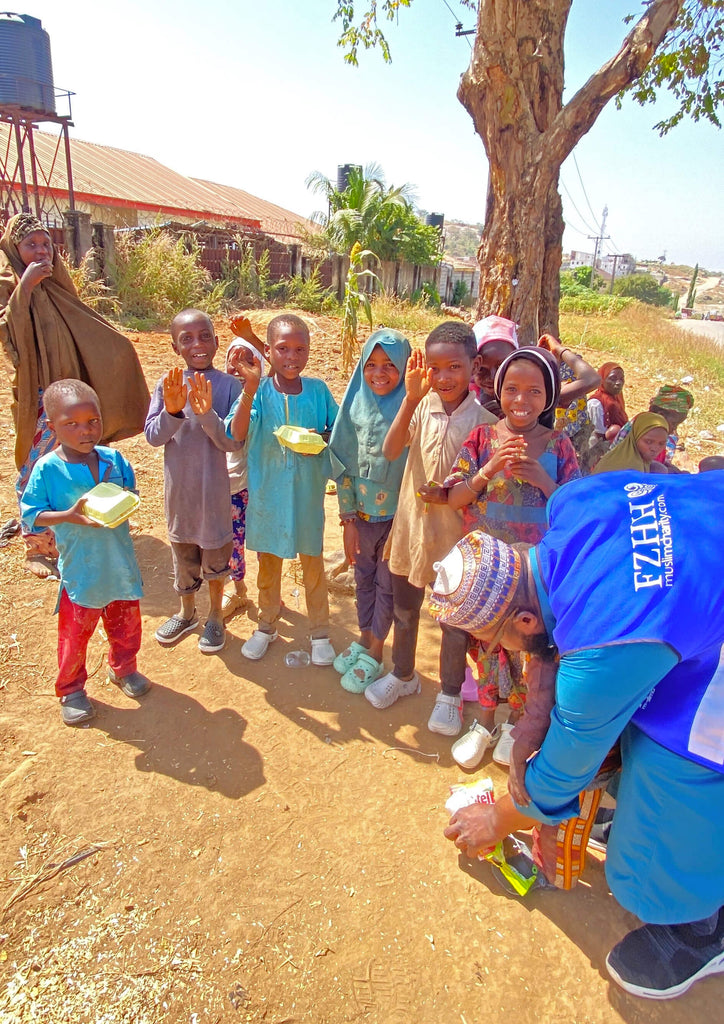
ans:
x=99 y=575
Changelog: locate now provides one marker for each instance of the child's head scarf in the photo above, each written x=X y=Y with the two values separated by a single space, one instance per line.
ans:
x=548 y=365
x=671 y=397
x=626 y=455
x=364 y=418
x=614 y=407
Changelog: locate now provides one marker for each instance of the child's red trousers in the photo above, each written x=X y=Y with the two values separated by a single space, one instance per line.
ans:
x=76 y=625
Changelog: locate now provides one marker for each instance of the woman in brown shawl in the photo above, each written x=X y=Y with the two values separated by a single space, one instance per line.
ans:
x=48 y=334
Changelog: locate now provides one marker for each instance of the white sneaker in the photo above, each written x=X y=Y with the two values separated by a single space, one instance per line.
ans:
x=257 y=644
x=447 y=715
x=322 y=651
x=504 y=746
x=469 y=749
x=386 y=690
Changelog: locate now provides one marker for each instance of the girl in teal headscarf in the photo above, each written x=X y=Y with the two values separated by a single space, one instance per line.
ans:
x=368 y=487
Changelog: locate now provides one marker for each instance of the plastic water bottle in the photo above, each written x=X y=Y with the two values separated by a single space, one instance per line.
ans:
x=297 y=659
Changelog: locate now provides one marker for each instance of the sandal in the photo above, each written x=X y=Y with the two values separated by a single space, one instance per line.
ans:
x=174 y=628
x=348 y=658
x=364 y=671
x=233 y=602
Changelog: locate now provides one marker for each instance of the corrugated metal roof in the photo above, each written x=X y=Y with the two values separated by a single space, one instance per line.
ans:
x=122 y=178
x=275 y=220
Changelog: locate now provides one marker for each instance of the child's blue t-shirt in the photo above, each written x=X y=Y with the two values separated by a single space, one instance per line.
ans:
x=97 y=565
x=285 y=515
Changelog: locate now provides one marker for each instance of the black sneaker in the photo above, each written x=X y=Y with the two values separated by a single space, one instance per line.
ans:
x=662 y=961
x=133 y=685
x=76 y=709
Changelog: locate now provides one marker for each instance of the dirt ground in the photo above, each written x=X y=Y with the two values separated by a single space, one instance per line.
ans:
x=250 y=842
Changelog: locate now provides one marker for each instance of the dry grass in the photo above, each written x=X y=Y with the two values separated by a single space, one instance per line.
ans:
x=653 y=351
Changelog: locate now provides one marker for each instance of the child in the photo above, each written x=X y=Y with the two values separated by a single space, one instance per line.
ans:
x=436 y=416
x=368 y=487
x=606 y=411
x=186 y=417
x=99 y=577
x=285 y=515
x=496 y=338
x=242 y=349
x=508 y=473
x=673 y=403
x=641 y=447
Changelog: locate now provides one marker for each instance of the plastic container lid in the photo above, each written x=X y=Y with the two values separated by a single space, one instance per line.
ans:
x=306 y=442
x=109 y=505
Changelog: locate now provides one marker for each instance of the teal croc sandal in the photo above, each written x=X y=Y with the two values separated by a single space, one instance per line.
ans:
x=344 y=661
x=364 y=671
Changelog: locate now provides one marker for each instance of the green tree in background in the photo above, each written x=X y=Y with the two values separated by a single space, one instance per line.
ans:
x=643 y=287
x=513 y=91
x=377 y=217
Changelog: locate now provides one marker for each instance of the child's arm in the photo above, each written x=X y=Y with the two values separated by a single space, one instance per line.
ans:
x=166 y=412
x=237 y=424
x=418 y=381
x=586 y=377
x=70 y=515
x=201 y=402
x=241 y=326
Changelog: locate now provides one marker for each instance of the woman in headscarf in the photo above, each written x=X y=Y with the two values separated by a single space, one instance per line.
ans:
x=673 y=403
x=640 y=449
x=606 y=411
x=49 y=334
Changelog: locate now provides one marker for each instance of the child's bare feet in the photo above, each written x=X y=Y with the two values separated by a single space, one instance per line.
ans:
x=41 y=566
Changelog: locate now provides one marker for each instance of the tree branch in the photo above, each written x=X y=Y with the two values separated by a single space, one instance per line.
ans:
x=580 y=113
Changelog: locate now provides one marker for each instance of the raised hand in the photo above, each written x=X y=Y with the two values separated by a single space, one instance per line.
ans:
x=174 y=391
x=248 y=372
x=551 y=344
x=200 y=397
x=418 y=378
x=34 y=273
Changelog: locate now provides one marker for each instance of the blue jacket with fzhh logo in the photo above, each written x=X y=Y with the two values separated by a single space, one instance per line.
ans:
x=628 y=559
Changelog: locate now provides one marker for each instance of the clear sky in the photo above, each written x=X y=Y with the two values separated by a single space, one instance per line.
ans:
x=255 y=93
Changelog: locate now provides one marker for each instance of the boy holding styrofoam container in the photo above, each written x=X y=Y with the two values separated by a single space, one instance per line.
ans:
x=286 y=417
x=99 y=575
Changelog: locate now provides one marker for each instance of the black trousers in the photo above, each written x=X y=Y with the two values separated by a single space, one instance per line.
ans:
x=407 y=602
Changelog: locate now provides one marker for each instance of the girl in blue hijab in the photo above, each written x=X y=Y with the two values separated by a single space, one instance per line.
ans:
x=368 y=488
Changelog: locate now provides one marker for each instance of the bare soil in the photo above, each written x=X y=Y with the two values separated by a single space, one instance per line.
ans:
x=253 y=843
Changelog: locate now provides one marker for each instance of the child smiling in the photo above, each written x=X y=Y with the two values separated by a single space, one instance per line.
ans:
x=186 y=417
x=285 y=515
x=368 y=487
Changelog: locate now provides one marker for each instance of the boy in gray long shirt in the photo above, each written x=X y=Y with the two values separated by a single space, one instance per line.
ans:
x=186 y=416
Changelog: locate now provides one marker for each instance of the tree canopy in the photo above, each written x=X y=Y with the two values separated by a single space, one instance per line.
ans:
x=375 y=216
x=513 y=91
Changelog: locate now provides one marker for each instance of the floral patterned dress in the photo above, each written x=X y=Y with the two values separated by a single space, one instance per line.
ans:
x=513 y=511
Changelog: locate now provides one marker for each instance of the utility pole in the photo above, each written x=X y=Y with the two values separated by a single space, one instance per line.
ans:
x=613 y=274
x=601 y=237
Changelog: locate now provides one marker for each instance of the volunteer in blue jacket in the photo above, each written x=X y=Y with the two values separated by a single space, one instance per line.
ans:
x=627 y=588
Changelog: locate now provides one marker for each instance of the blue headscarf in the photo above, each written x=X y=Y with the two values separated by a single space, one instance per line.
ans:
x=364 y=418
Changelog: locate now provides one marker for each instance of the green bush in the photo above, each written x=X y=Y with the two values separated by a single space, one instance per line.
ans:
x=158 y=275
x=594 y=303
x=308 y=294
x=643 y=287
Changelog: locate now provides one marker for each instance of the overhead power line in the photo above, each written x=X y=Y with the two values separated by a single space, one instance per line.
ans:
x=583 y=186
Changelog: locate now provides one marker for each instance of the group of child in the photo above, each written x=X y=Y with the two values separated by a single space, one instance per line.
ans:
x=424 y=448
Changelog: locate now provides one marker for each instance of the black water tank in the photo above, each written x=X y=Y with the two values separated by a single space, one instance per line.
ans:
x=26 y=70
x=343 y=172
x=435 y=220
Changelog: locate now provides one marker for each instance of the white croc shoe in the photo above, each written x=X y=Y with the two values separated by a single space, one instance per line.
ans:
x=504 y=746
x=468 y=751
x=257 y=644
x=322 y=651
x=389 y=688
x=447 y=715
